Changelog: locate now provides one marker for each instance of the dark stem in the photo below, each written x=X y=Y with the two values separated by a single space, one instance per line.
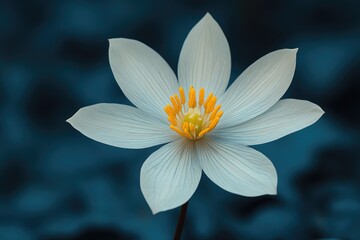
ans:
x=180 y=224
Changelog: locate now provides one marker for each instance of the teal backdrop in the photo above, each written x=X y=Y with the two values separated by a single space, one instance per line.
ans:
x=56 y=184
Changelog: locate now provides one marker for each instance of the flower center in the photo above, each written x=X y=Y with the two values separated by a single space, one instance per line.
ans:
x=194 y=119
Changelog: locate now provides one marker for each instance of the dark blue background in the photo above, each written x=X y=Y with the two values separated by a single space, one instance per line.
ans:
x=56 y=184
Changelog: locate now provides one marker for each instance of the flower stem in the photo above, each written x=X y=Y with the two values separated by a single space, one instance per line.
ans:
x=180 y=224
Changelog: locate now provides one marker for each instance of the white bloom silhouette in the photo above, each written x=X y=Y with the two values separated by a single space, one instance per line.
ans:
x=210 y=127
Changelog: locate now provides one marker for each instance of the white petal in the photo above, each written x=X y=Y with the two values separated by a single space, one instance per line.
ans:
x=144 y=77
x=236 y=168
x=285 y=117
x=259 y=87
x=121 y=126
x=170 y=176
x=205 y=59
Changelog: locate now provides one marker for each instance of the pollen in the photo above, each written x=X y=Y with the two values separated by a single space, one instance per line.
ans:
x=193 y=118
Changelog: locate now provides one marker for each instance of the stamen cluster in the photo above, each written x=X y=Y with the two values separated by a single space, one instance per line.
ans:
x=195 y=119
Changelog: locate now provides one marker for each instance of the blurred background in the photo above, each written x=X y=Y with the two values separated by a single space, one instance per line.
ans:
x=56 y=184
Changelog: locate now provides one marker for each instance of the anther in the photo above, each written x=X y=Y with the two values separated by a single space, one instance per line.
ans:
x=178 y=101
x=214 y=123
x=203 y=132
x=178 y=131
x=169 y=110
x=219 y=114
x=172 y=120
x=175 y=105
x=201 y=96
x=192 y=98
x=214 y=112
x=182 y=95
x=211 y=104
x=188 y=135
x=191 y=126
x=185 y=126
x=208 y=99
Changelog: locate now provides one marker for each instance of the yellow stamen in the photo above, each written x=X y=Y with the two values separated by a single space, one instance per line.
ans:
x=201 y=96
x=219 y=114
x=191 y=127
x=178 y=101
x=214 y=123
x=192 y=98
x=214 y=112
x=172 y=120
x=208 y=99
x=174 y=104
x=194 y=119
x=169 y=111
x=211 y=104
x=185 y=126
x=182 y=95
x=166 y=110
x=178 y=131
x=188 y=134
x=203 y=132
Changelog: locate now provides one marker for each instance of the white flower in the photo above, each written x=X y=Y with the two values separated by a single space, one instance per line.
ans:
x=210 y=127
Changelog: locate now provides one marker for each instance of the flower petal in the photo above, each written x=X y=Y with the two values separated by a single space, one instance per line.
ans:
x=144 y=77
x=205 y=59
x=170 y=176
x=259 y=87
x=121 y=126
x=285 y=117
x=237 y=169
